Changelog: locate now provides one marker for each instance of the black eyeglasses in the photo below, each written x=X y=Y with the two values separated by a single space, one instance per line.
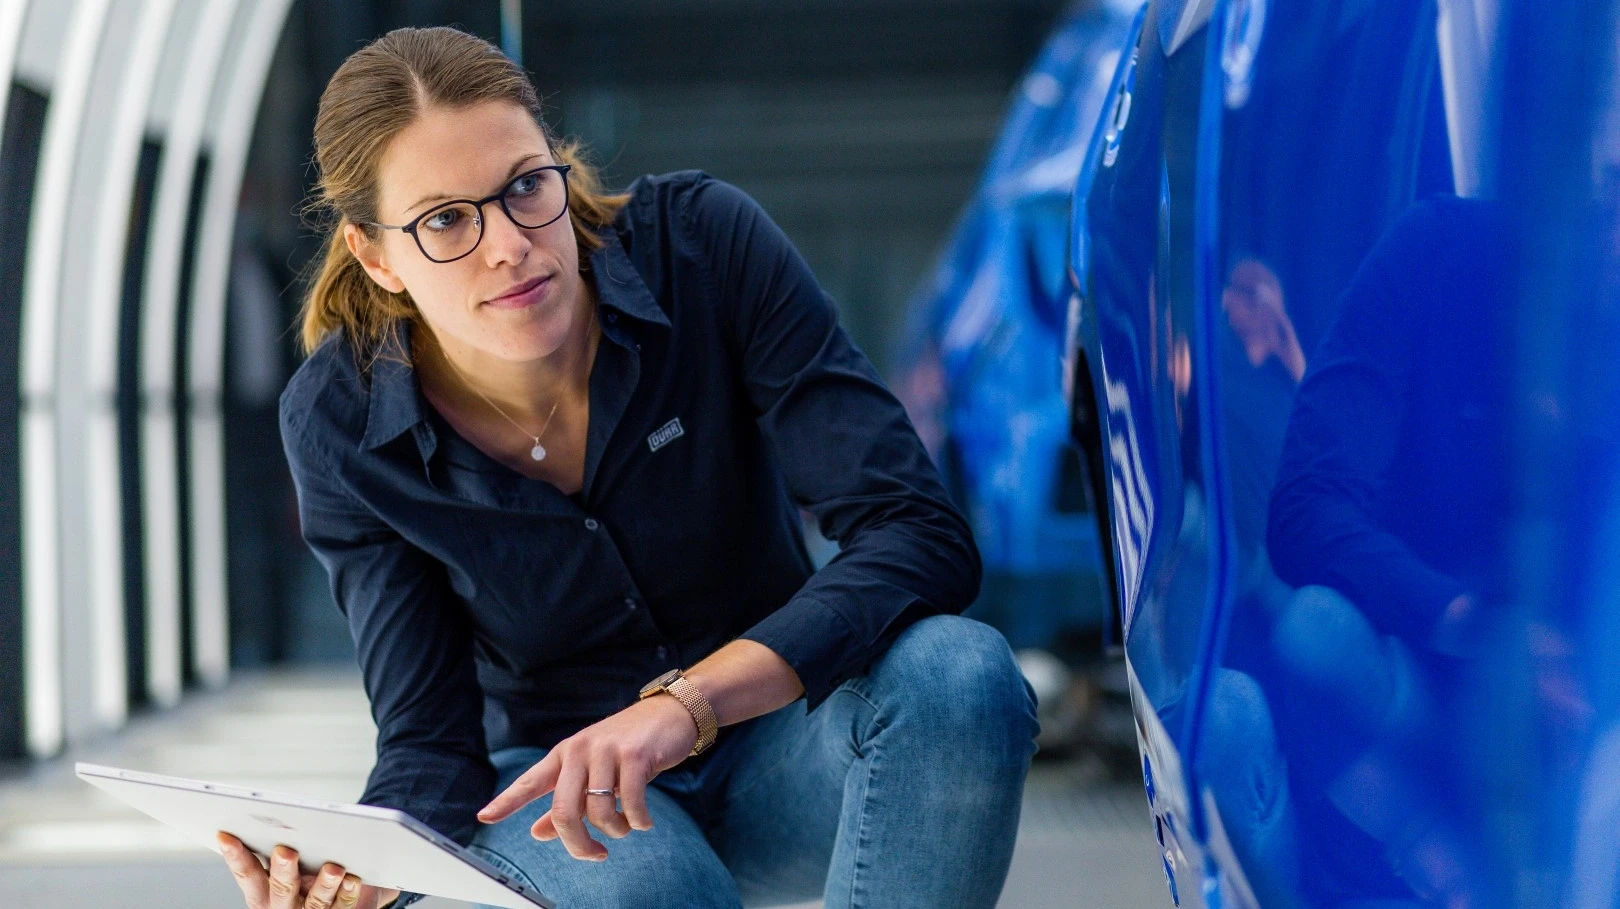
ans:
x=454 y=229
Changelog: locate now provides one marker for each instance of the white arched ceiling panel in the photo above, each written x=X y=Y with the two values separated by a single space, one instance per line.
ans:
x=93 y=654
x=55 y=691
x=203 y=47
x=129 y=91
x=244 y=85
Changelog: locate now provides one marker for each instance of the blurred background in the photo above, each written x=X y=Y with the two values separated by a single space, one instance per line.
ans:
x=157 y=607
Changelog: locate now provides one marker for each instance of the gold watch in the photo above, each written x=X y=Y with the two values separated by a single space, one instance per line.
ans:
x=676 y=685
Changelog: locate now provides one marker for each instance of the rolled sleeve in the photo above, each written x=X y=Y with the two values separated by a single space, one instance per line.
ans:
x=845 y=447
x=414 y=646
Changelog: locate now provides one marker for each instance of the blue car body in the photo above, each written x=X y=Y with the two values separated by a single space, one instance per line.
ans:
x=1340 y=350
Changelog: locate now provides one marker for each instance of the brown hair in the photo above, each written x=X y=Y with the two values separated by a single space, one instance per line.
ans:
x=374 y=95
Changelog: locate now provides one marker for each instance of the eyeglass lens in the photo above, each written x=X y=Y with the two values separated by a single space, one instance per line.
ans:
x=532 y=200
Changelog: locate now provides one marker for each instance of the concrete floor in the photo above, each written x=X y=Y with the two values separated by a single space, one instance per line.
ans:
x=1084 y=839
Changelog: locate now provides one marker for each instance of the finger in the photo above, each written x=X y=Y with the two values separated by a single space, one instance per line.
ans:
x=348 y=895
x=568 y=812
x=246 y=870
x=633 y=796
x=535 y=782
x=284 y=878
x=322 y=891
x=543 y=829
x=603 y=810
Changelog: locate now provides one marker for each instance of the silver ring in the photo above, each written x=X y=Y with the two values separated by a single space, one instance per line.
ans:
x=599 y=792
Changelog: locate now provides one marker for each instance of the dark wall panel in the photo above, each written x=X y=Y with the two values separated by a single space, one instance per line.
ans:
x=19 y=158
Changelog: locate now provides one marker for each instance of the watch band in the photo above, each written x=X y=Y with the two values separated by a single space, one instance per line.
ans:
x=682 y=689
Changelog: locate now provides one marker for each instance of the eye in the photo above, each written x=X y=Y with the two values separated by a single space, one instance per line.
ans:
x=442 y=220
x=525 y=185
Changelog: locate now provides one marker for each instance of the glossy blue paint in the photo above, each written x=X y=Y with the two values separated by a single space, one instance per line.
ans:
x=1346 y=302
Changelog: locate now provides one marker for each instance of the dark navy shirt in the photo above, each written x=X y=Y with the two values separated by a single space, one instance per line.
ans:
x=490 y=610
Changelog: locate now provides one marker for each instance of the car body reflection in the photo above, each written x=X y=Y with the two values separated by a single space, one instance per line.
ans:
x=1342 y=282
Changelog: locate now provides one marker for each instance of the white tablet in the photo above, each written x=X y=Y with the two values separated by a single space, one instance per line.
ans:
x=381 y=846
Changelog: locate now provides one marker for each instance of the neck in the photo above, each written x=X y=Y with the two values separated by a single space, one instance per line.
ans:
x=526 y=391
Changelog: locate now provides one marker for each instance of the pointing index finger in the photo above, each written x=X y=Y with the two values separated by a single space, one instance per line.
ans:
x=535 y=782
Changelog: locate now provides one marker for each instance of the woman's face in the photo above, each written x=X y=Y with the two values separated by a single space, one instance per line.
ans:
x=516 y=296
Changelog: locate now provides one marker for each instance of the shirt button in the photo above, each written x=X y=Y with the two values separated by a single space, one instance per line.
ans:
x=613 y=317
x=630 y=603
x=591 y=524
x=663 y=653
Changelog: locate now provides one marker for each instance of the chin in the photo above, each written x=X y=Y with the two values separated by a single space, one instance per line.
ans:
x=531 y=339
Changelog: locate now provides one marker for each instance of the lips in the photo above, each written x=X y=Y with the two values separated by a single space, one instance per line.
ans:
x=522 y=295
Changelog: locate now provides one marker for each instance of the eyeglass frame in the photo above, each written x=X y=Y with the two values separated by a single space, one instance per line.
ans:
x=478 y=206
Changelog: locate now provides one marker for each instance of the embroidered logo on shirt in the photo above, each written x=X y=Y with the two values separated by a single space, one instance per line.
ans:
x=666 y=434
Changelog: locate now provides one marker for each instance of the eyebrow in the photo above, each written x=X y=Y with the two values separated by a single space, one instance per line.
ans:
x=517 y=167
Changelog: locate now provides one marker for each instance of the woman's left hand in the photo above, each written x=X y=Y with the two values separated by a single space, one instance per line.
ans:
x=622 y=753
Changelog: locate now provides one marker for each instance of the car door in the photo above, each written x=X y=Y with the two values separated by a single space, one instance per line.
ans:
x=1133 y=356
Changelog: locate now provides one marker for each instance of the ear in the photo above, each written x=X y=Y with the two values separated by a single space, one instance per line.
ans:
x=371 y=258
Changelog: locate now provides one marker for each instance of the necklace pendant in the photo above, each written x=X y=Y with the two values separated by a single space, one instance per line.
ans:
x=538 y=452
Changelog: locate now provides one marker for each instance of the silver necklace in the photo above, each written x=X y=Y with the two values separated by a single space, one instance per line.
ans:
x=538 y=452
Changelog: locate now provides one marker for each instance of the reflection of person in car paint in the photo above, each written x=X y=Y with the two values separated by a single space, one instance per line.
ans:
x=1242 y=765
x=1391 y=482
x=1253 y=302
x=1261 y=365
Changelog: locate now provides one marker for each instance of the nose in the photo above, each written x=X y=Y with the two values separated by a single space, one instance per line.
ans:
x=504 y=243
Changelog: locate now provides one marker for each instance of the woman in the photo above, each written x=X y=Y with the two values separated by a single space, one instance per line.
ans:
x=550 y=444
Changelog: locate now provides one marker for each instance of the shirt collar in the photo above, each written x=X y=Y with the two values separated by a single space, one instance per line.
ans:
x=619 y=285
x=396 y=404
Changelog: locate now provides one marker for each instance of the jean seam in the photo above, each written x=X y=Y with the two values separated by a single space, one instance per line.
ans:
x=861 y=835
x=861 y=827
x=502 y=863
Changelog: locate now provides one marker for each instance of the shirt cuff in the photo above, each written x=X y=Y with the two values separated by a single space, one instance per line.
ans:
x=815 y=640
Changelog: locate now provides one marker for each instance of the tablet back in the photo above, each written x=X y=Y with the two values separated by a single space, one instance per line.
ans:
x=383 y=847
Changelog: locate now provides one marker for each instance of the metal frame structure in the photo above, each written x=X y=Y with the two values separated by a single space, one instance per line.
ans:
x=232 y=130
x=56 y=608
x=183 y=78
x=182 y=133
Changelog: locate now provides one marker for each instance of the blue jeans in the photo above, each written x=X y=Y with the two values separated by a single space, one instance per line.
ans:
x=902 y=789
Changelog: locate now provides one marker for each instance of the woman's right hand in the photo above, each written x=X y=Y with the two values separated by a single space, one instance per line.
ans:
x=282 y=887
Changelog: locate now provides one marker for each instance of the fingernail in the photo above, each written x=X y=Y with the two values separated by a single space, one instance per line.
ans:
x=348 y=886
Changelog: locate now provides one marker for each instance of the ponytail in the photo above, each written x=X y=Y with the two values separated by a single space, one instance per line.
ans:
x=343 y=297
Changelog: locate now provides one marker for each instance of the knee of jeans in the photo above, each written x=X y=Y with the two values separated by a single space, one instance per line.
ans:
x=1242 y=762
x=958 y=673
x=1323 y=639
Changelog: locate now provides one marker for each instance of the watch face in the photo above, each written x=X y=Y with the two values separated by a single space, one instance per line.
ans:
x=658 y=684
